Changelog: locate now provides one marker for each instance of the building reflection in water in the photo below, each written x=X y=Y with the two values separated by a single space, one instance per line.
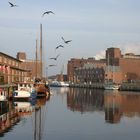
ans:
x=121 y=104
x=115 y=105
x=13 y=112
x=85 y=100
x=8 y=117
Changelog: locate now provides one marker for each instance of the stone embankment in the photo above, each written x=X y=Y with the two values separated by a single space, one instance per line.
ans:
x=123 y=86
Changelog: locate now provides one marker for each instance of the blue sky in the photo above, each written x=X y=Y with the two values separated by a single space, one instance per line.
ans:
x=92 y=25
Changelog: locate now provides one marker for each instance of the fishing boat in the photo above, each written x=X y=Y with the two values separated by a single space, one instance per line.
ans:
x=25 y=91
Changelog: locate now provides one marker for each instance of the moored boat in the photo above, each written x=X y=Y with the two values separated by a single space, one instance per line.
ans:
x=42 y=89
x=25 y=91
x=111 y=86
x=59 y=84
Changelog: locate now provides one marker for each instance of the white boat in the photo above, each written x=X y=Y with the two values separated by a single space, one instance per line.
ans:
x=59 y=84
x=111 y=86
x=3 y=95
x=25 y=91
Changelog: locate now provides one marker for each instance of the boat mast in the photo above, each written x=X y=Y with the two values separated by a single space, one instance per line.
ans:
x=41 y=51
x=36 y=71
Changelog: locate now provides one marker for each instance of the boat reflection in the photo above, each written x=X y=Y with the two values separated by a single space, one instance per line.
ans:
x=11 y=113
x=39 y=118
x=115 y=105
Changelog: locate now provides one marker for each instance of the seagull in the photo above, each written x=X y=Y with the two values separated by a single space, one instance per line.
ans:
x=47 y=12
x=66 y=41
x=59 y=46
x=52 y=65
x=12 y=5
x=55 y=58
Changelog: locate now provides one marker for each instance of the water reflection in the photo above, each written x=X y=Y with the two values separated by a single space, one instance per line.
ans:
x=85 y=100
x=8 y=117
x=115 y=104
x=72 y=113
x=120 y=104
x=13 y=113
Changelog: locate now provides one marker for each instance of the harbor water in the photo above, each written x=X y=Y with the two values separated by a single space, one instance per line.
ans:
x=73 y=114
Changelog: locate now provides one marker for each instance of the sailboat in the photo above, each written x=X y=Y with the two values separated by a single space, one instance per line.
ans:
x=42 y=88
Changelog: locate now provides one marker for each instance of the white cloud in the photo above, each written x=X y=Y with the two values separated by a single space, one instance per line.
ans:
x=130 y=48
x=100 y=55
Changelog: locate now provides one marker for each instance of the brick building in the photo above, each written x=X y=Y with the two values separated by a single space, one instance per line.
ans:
x=118 y=68
x=11 y=70
x=89 y=73
x=129 y=64
x=32 y=65
x=76 y=63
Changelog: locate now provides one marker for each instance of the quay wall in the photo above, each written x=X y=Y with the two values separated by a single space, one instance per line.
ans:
x=130 y=87
x=83 y=85
x=123 y=86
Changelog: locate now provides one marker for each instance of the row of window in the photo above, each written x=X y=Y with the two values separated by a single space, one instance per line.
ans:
x=9 y=61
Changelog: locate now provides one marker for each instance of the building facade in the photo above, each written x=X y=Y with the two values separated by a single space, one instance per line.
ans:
x=11 y=70
x=89 y=73
x=129 y=64
x=31 y=65
x=74 y=63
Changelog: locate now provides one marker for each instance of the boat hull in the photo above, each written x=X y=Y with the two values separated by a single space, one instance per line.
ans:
x=111 y=87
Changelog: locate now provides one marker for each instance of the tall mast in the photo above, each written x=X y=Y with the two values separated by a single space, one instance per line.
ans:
x=41 y=51
x=36 y=71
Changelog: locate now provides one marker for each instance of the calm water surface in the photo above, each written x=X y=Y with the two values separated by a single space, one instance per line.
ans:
x=73 y=114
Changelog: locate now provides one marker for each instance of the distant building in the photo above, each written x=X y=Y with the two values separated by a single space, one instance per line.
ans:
x=21 y=56
x=76 y=63
x=118 y=68
x=129 y=64
x=31 y=65
x=89 y=73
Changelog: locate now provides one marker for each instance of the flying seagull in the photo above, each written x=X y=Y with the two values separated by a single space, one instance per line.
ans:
x=66 y=41
x=60 y=46
x=47 y=12
x=12 y=5
x=55 y=58
x=52 y=65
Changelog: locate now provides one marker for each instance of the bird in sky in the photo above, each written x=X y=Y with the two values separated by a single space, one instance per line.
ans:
x=55 y=58
x=66 y=41
x=52 y=65
x=60 y=46
x=12 y=5
x=47 y=12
